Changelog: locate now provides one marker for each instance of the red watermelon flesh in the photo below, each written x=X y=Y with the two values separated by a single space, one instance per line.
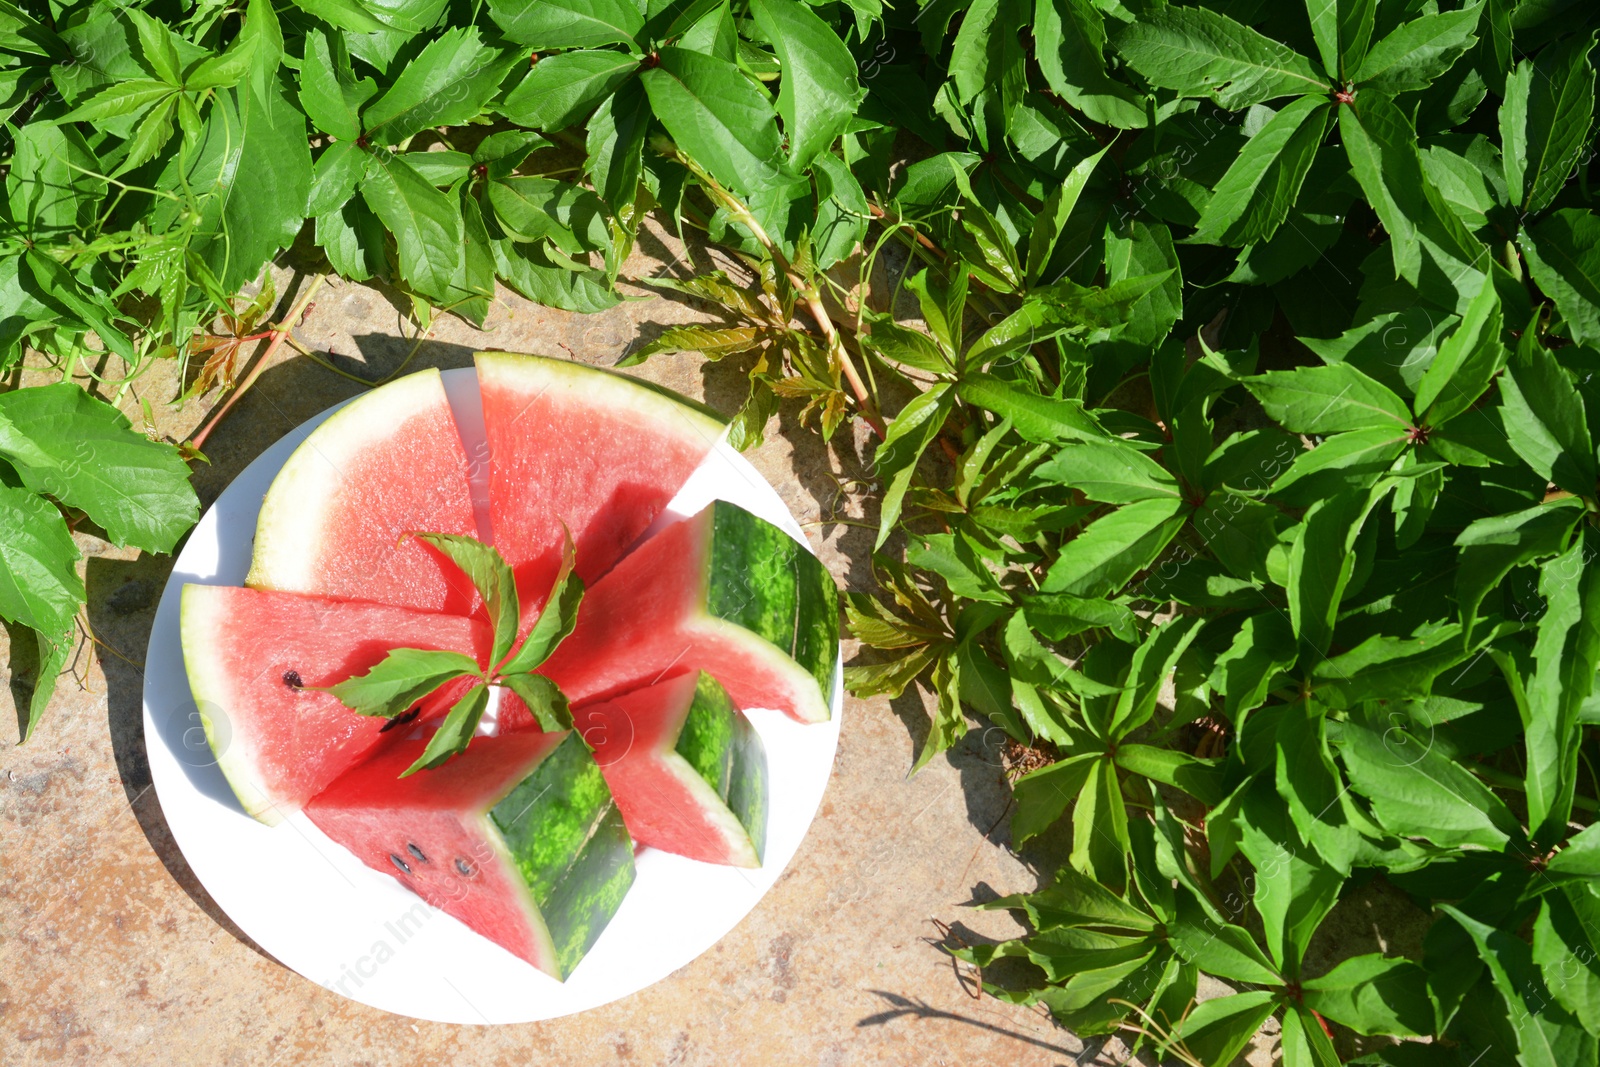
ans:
x=518 y=837
x=596 y=450
x=252 y=656
x=724 y=592
x=334 y=521
x=688 y=770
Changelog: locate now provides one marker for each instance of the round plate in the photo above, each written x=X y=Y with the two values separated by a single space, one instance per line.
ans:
x=319 y=910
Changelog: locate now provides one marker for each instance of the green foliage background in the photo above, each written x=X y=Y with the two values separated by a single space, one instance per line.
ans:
x=1248 y=479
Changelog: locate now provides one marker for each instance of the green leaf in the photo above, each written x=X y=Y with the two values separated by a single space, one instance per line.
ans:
x=329 y=90
x=1342 y=30
x=987 y=64
x=1114 y=548
x=1389 y=668
x=128 y=97
x=1492 y=546
x=1419 y=51
x=818 y=92
x=1100 y=845
x=52 y=185
x=426 y=224
x=1466 y=363
x=349 y=15
x=251 y=179
x=1051 y=220
x=1547 y=1036
x=1110 y=472
x=1295 y=887
x=1153 y=663
x=39 y=583
x=400 y=679
x=1545 y=120
x=1035 y=417
x=52 y=655
x=1567 y=655
x=490 y=576
x=1069 y=44
x=1321 y=562
x=544 y=700
x=951 y=556
x=1217 y=1030
x=560 y=90
x=1219 y=948
x=532 y=209
x=556 y=618
x=1256 y=194
x=1263 y=648
x=616 y=146
x=85 y=454
x=1199 y=52
x=1564 y=948
x=1328 y=399
x=1146 y=252
x=902 y=344
x=335 y=176
x=1060 y=615
x=530 y=271
x=1043 y=795
x=1374 y=994
x=561 y=24
x=909 y=435
x=1200 y=778
x=454 y=732
x=1545 y=418
x=949 y=723
x=446 y=84
x=54 y=284
x=1419 y=791
x=889 y=678
x=1073 y=900
x=1564 y=257
x=718 y=117
x=258 y=48
x=1303 y=1042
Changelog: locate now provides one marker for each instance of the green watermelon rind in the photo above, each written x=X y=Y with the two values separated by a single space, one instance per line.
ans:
x=198 y=619
x=562 y=837
x=290 y=527
x=721 y=761
x=768 y=592
x=610 y=388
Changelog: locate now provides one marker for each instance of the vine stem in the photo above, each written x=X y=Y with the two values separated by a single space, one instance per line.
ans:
x=274 y=338
x=808 y=293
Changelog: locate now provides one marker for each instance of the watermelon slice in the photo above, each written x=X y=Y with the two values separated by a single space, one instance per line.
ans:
x=252 y=654
x=688 y=770
x=518 y=837
x=724 y=592
x=387 y=464
x=597 y=450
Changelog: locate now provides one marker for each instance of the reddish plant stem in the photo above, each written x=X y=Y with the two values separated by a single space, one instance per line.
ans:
x=274 y=337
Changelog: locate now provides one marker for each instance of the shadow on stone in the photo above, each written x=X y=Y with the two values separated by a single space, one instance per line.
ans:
x=899 y=1007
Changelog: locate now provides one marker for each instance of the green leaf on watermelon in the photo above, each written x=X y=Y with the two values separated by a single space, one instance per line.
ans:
x=455 y=732
x=544 y=700
x=491 y=576
x=556 y=619
x=403 y=677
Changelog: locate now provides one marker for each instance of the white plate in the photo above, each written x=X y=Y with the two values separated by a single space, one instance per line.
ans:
x=315 y=907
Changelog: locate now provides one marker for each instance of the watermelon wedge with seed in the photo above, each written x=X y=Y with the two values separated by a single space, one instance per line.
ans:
x=252 y=657
x=724 y=592
x=688 y=770
x=335 y=520
x=518 y=837
x=594 y=449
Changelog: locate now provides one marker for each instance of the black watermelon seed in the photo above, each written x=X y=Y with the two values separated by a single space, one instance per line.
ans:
x=464 y=867
x=400 y=720
x=292 y=679
x=417 y=852
x=404 y=867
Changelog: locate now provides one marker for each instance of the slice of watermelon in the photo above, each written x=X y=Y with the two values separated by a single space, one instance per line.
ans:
x=723 y=592
x=334 y=521
x=518 y=837
x=595 y=449
x=251 y=656
x=688 y=770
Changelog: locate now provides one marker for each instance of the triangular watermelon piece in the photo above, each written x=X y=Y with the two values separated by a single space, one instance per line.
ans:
x=334 y=521
x=252 y=657
x=724 y=592
x=688 y=770
x=568 y=443
x=518 y=837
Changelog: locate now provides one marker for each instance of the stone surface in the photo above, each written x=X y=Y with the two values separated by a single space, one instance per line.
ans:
x=111 y=952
